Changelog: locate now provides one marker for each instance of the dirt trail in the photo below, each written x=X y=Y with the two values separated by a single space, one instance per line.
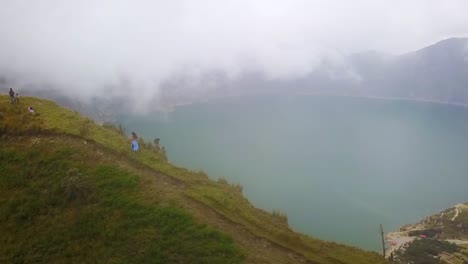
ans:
x=457 y=212
x=458 y=241
x=258 y=247
x=458 y=209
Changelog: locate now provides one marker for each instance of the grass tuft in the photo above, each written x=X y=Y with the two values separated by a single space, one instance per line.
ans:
x=76 y=186
x=81 y=211
x=283 y=217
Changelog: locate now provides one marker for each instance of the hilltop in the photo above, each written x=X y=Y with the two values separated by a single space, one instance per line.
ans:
x=72 y=191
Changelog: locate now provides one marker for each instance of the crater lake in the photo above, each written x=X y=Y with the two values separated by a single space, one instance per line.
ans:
x=337 y=166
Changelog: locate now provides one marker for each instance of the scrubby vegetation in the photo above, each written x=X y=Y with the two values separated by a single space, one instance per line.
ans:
x=436 y=236
x=431 y=232
x=72 y=191
x=426 y=251
x=51 y=211
x=451 y=223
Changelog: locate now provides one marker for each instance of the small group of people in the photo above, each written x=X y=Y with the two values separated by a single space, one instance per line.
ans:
x=14 y=97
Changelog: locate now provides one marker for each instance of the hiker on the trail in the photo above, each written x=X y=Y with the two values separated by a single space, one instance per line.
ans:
x=31 y=110
x=16 y=98
x=135 y=146
x=12 y=96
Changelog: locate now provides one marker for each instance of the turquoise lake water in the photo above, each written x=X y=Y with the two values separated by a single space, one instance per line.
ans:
x=337 y=166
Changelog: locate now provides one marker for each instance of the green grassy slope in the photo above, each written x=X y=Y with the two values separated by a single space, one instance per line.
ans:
x=72 y=190
x=58 y=204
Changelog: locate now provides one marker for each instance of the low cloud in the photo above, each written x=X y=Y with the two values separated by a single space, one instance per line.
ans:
x=131 y=48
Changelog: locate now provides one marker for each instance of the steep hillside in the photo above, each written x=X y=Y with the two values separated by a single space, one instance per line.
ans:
x=449 y=224
x=440 y=237
x=438 y=72
x=72 y=191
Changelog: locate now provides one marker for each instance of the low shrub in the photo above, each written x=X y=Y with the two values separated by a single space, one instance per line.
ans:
x=76 y=187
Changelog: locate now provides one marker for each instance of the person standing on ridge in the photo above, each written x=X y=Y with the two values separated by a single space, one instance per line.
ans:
x=12 y=96
x=135 y=146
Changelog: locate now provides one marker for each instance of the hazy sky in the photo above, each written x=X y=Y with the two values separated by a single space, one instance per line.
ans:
x=87 y=45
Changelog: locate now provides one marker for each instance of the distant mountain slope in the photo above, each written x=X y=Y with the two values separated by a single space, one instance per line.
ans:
x=72 y=191
x=438 y=72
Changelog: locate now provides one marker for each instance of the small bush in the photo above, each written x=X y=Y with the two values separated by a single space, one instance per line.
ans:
x=145 y=145
x=75 y=186
x=427 y=232
x=222 y=181
x=425 y=251
x=238 y=187
x=279 y=215
x=164 y=153
x=119 y=129
x=85 y=128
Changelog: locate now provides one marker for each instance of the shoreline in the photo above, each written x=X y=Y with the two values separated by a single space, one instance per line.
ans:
x=393 y=99
x=172 y=108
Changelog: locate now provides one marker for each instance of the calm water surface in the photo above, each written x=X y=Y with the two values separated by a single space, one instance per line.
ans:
x=338 y=167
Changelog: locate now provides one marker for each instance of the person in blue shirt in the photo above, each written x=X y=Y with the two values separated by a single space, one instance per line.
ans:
x=135 y=146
